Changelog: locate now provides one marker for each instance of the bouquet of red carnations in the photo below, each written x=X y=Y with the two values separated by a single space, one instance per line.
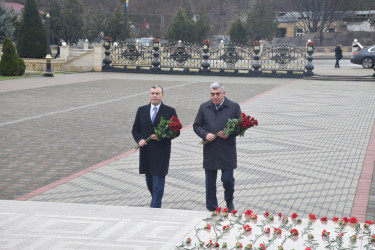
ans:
x=166 y=129
x=237 y=126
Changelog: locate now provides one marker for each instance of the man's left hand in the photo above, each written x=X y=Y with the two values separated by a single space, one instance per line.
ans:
x=222 y=135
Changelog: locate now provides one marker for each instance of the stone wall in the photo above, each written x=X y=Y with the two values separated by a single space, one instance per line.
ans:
x=92 y=60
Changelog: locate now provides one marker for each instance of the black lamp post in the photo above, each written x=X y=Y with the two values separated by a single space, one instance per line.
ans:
x=126 y=3
x=48 y=71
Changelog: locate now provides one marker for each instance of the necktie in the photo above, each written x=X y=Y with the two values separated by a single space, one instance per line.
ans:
x=155 y=110
x=217 y=107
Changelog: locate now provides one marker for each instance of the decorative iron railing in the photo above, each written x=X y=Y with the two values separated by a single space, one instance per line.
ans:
x=232 y=60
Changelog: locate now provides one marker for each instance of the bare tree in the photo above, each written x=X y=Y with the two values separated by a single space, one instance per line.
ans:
x=315 y=13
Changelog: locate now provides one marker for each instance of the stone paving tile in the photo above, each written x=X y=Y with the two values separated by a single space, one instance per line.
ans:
x=40 y=225
x=305 y=156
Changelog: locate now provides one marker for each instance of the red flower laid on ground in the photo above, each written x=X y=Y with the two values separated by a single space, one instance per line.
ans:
x=294 y=232
x=294 y=216
x=280 y=215
x=345 y=219
x=267 y=230
x=226 y=228
x=238 y=244
x=233 y=211
x=266 y=214
x=248 y=212
x=249 y=247
x=325 y=233
x=188 y=240
x=208 y=226
x=353 y=220
x=372 y=238
x=262 y=246
x=353 y=238
x=225 y=210
x=323 y=219
x=218 y=209
x=312 y=217
x=335 y=219
x=247 y=228
x=277 y=230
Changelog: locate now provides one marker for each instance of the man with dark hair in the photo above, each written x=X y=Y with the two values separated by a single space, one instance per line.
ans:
x=220 y=152
x=153 y=155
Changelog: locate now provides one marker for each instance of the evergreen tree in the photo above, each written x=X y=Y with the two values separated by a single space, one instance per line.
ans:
x=261 y=21
x=202 y=26
x=72 y=18
x=181 y=28
x=31 y=42
x=237 y=32
x=10 y=63
x=57 y=24
x=114 y=26
x=7 y=18
x=95 y=25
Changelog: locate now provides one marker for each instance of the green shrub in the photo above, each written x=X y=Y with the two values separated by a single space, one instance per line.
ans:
x=22 y=67
x=10 y=63
x=31 y=39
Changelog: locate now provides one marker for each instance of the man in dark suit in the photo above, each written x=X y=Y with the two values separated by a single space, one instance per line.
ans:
x=220 y=152
x=154 y=155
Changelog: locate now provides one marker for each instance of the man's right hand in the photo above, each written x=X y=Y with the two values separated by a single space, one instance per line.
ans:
x=142 y=143
x=210 y=137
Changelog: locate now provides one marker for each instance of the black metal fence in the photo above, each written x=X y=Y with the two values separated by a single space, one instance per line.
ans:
x=231 y=60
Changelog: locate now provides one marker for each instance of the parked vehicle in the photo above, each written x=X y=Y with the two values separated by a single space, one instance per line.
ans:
x=364 y=57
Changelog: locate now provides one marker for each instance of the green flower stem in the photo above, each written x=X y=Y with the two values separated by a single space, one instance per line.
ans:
x=147 y=140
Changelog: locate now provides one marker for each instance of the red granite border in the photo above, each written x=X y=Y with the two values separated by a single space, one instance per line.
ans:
x=364 y=184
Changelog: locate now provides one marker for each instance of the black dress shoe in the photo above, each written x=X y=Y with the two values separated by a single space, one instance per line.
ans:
x=230 y=206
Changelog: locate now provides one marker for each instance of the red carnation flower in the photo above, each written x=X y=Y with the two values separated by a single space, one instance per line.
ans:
x=325 y=233
x=294 y=215
x=294 y=232
x=323 y=219
x=353 y=220
x=248 y=212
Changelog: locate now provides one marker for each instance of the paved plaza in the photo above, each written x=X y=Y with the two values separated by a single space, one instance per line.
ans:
x=69 y=174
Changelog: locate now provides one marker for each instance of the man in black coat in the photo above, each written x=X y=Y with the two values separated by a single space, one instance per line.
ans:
x=154 y=155
x=220 y=152
x=338 y=55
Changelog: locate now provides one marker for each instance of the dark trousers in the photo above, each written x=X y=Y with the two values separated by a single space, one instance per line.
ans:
x=228 y=184
x=155 y=185
x=337 y=65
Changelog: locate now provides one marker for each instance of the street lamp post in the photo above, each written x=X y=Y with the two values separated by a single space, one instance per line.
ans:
x=48 y=71
x=125 y=6
x=323 y=22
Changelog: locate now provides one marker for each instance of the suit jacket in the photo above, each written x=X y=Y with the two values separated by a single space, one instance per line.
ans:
x=154 y=157
x=220 y=153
